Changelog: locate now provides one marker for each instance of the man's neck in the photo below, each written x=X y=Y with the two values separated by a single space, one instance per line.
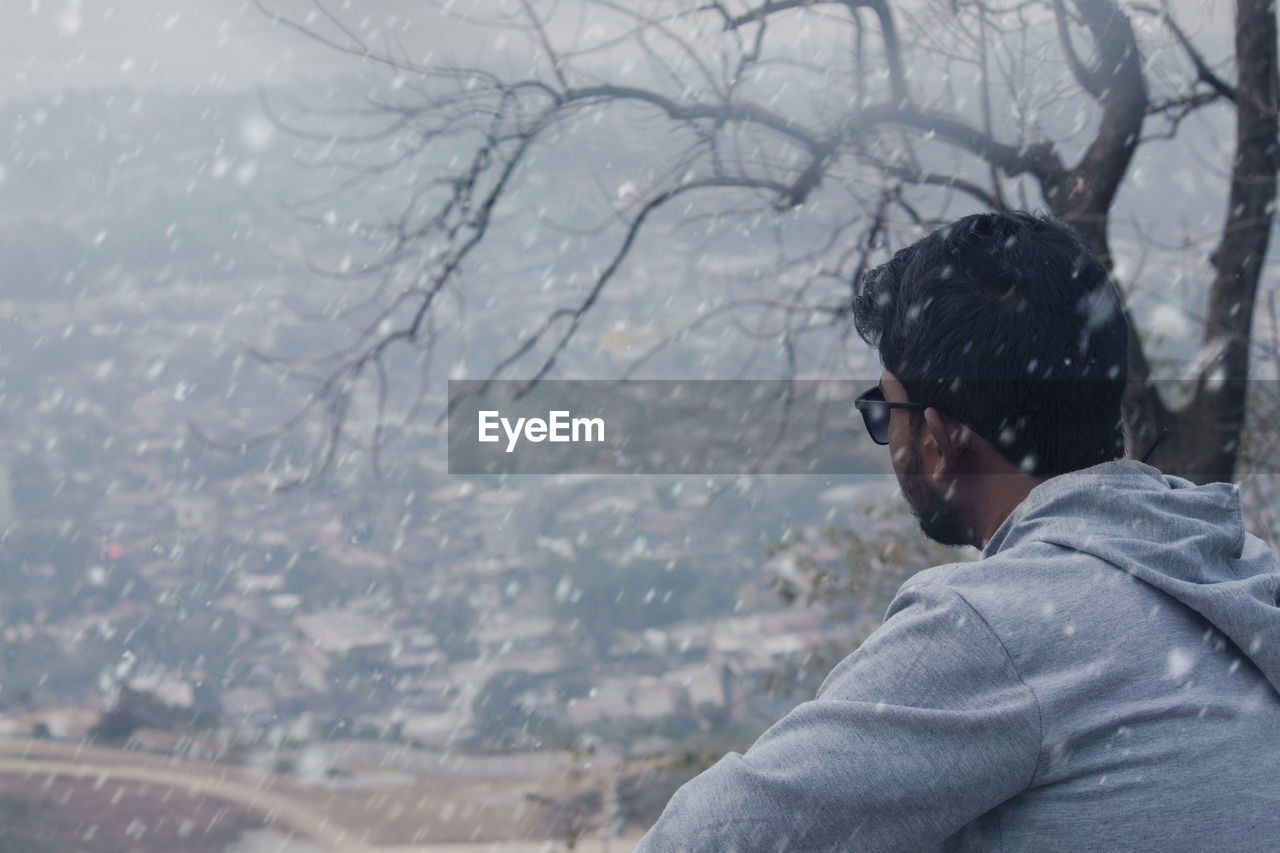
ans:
x=1001 y=495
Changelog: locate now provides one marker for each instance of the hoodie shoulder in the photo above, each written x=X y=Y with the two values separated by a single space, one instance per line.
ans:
x=1150 y=541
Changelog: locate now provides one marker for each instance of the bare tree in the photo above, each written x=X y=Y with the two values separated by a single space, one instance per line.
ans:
x=864 y=121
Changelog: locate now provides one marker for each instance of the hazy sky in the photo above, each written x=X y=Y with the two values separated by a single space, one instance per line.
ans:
x=55 y=44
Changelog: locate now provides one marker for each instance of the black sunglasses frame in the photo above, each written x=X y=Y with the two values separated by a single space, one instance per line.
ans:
x=872 y=399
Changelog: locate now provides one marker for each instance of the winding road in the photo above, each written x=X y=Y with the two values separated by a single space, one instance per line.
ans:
x=37 y=758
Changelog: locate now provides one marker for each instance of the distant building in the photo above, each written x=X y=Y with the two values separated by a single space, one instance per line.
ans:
x=340 y=632
x=7 y=516
x=174 y=692
x=195 y=513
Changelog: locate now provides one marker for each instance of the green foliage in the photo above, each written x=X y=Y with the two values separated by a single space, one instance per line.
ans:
x=134 y=710
x=601 y=593
x=507 y=711
x=852 y=573
x=39 y=259
x=645 y=786
x=31 y=484
x=21 y=823
x=116 y=726
x=452 y=621
x=40 y=662
x=198 y=633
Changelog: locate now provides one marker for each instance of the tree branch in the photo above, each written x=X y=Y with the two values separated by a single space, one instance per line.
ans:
x=1090 y=79
x=888 y=30
x=575 y=315
x=1038 y=159
x=1204 y=73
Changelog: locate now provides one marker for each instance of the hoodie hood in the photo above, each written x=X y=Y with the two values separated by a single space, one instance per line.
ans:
x=1185 y=540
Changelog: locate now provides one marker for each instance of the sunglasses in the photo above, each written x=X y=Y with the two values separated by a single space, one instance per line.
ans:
x=876 y=411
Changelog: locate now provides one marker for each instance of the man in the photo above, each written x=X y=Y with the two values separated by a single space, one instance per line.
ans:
x=1106 y=677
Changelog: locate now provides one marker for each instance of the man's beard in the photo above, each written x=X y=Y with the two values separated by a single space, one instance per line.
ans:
x=939 y=518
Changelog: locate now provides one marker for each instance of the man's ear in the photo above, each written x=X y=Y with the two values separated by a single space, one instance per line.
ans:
x=951 y=439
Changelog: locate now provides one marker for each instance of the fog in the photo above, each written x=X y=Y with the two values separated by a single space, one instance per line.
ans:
x=192 y=583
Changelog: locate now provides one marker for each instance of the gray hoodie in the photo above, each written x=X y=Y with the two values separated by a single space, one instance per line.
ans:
x=1107 y=677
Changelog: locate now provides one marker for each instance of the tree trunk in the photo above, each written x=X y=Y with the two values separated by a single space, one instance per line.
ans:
x=1204 y=437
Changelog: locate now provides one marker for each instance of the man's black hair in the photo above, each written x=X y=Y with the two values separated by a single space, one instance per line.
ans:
x=1007 y=323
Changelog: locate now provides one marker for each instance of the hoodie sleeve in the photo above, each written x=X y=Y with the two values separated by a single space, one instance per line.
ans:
x=920 y=731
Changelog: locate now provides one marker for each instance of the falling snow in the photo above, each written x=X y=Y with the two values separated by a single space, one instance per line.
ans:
x=199 y=214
